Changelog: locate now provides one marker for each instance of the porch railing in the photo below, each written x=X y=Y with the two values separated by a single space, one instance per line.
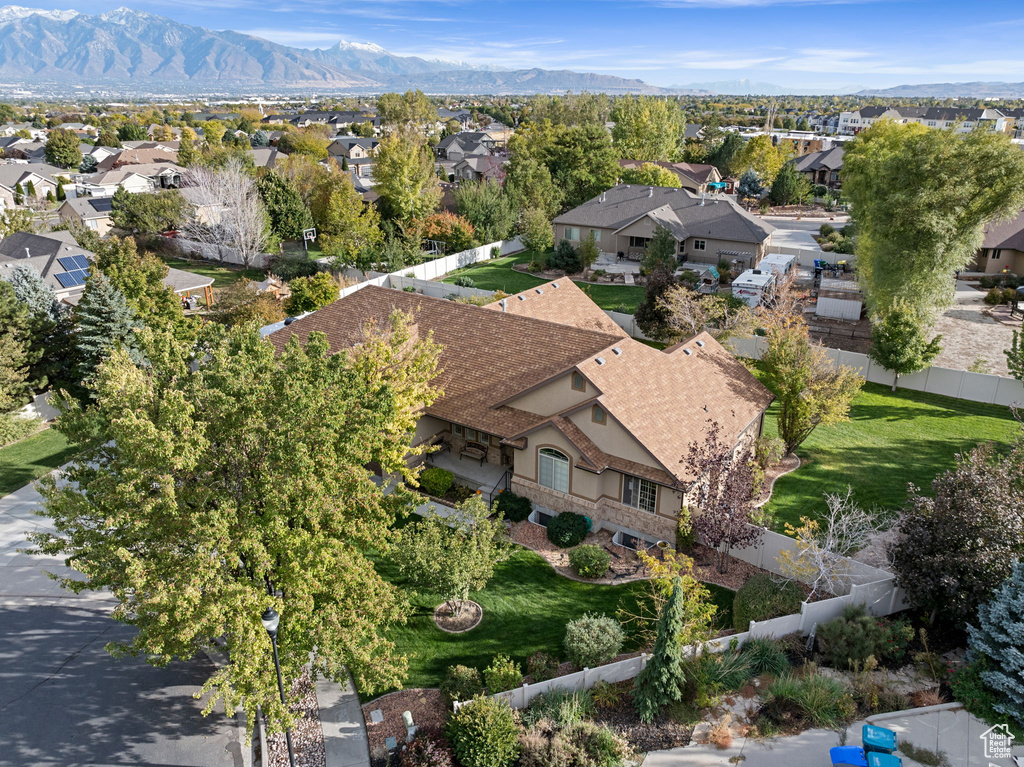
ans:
x=504 y=483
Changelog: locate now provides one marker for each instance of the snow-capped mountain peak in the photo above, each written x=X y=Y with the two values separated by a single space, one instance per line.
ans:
x=345 y=45
x=10 y=13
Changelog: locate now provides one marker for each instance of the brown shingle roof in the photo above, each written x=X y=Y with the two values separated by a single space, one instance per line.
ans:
x=486 y=356
x=560 y=301
x=1005 y=234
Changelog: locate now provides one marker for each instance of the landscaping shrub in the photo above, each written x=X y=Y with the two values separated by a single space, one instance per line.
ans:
x=565 y=258
x=606 y=695
x=503 y=674
x=436 y=481
x=542 y=666
x=970 y=689
x=764 y=656
x=560 y=707
x=464 y=281
x=514 y=508
x=825 y=230
x=593 y=640
x=483 y=733
x=994 y=296
x=427 y=751
x=855 y=636
x=290 y=264
x=686 y=537
x=589 y=561
x=602 y=747
x=461 y=683
x=762 y=598
x=567 y=529
x=810 y=699
x=710 y=674
x=543 y=746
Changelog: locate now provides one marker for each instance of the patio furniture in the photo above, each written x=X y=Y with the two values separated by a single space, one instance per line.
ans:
x=474 y=450
x=442 y=445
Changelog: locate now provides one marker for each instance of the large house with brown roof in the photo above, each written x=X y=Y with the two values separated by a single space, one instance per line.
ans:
x=707 y=228
x=544 y=394
x=691 y=175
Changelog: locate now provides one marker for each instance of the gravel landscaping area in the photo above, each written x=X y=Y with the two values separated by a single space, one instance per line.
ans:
x=969 y=334
x=425 y=705
x=307 y=735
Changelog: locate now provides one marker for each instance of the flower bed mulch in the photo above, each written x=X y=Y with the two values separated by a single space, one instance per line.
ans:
x=662 y=733
x=468 y=618
x=427 y=709
x=307 y=735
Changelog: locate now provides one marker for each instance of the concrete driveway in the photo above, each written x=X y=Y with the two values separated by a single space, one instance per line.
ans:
x=64 y=700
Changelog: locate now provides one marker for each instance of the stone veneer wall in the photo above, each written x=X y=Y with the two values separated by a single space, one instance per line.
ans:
x=604 y=510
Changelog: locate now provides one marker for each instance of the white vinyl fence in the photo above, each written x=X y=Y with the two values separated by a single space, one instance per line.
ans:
x=960 y=384
x=869 y=586
x=221 y=253
x=804 y=256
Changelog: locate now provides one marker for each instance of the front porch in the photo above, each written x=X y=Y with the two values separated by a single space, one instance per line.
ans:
x=488 y=478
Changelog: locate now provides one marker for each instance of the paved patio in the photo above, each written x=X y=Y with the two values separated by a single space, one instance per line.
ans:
x=469 y=472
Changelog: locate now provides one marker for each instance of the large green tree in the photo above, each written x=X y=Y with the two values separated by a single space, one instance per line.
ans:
x=650 y=174
x=15 y=349
x=922 y=198
x=998 y=636
x=348 y=229
x=405 y=178
x=583 y=163
x=132 y=131
x=63 y=148
x=789 y=187
x=103 y=323
x=225 y=479
x=409 y=110
x=146 y=213
x=289 y=215
x=529 y=185
x=762 y=156
x=647 y=127
x=486 y=206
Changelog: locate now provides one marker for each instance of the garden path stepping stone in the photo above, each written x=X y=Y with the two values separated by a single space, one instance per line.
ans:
x=376 y=716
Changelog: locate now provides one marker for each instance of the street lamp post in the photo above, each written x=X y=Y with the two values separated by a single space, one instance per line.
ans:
x=270 y=621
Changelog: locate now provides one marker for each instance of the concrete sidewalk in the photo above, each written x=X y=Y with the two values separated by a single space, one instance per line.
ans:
x=341 y=718
x=946 y=728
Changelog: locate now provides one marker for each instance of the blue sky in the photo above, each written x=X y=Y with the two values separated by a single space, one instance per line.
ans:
x=826 y=44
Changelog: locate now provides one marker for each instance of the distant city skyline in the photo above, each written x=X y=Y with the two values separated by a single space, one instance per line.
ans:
x=824 y=45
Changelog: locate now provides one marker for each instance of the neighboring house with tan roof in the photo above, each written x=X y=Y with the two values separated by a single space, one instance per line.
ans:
x=90 y=212
x=706 y=228
x=1002 y=248
x=42 y=176
x=480 y=168
x=577 y=416
x=151 y=154
x=692 y=176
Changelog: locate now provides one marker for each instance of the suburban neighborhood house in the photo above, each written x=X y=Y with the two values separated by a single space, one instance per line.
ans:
x=1003 y=247
x=707 y=228
x=964 y=120
x=692 y=176
x=580 y=417
x=821 y=168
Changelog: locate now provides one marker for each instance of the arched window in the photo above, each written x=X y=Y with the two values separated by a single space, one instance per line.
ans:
x=553 y=470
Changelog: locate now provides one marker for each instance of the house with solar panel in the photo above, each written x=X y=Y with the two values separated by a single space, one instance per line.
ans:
x=90 y=212
x=64 y=266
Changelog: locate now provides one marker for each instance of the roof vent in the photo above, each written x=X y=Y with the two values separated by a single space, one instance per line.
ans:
x=539 y=291
x=757 y=271
x=554 y=285
x=599 y=360
x=687 y=352
x=617 y=350
x=604 y=196
x=700 y=344
x=504 y=304
x=521 y=298
x=290 y=320
x=650 y=191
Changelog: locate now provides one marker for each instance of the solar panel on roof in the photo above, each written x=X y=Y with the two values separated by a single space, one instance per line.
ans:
x=83 y=262
x=71 y=279
x=69 y=263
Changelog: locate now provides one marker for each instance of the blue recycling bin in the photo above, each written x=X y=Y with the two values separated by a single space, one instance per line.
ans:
x=878 y=739
x=883 y=760
x=847 y=756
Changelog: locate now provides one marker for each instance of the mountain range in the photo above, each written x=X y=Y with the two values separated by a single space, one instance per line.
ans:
x=975 y=90
x=139 y=50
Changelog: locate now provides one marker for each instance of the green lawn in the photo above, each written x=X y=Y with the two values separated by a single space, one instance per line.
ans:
x=526 y=608
x=499 y=275
x=892 y=438
x=223 y=274
x=31 y=458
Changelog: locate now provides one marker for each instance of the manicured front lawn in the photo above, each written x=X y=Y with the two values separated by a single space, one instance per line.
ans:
x=499 y=275
x=892 y=438
x=31 y=458
x=223 y=274
x=526 y=608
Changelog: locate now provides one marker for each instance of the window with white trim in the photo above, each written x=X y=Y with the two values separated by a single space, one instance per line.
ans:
x=700 y=245
x=639 y=493
x=572 y=233
x=553 y=470
x=639 y=242
x=596 y=234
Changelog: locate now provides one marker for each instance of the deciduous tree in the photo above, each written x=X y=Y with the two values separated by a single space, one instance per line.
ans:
x=650 y=174
x=454 y=555
x=921 y=198
x=405 y=179
x=311 y=293
x=646 y=127
x=132 y=131
x=956 y=546
x=535 y=231
x=722 y=494
x=405 y=111
x=899 y=342
x=454 y=231
x=487 y=207
x=242 y=303
x=289 y=215
x=348 y=229
x=146 y=213
x=63 y=148
x=689 y=313
x=212 y=492
x=760 y=155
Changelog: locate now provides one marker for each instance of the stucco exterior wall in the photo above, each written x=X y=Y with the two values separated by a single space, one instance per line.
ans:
x=554 y=397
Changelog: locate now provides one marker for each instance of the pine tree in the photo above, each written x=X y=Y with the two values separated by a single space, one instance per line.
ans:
x=19 y=194
x=30 y=189
x=662 y=679
x=48 y=355
x=61 y=194
x=103 y=320
x=999 y=636
x=15 y=331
